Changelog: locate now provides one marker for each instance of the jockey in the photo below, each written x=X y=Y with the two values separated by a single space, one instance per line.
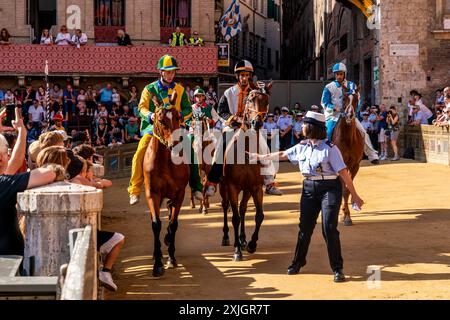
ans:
x=200 y=109
x=231 y=109
x=162 y=88
x=332 y=104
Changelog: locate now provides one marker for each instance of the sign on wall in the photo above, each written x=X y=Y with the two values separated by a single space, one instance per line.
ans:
x=223 y=55
x=404 y=50
x=376 y=75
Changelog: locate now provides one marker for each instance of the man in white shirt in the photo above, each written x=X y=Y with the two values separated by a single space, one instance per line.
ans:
x=367 y=125
x=36 y=114
x=417 y=117
x=79 y=38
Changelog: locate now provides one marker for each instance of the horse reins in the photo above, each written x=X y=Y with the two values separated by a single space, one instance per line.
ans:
x=157 y=127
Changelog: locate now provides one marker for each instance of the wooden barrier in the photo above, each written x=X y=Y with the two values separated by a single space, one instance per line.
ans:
x=117 y=160
x=430 y=143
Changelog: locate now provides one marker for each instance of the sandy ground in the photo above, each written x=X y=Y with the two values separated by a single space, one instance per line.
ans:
x=403 y=230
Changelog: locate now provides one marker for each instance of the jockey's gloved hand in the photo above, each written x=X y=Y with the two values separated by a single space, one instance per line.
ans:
x=151 y=117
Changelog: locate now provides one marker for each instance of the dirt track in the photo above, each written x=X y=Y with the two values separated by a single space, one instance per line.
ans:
x=403 y=229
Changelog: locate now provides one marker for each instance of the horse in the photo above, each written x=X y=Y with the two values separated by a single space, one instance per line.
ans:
x=164 y=179
x=203 y=130
x=350 y=142
x=245 y=177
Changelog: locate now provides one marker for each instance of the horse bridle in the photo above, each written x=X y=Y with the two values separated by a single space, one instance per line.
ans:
x=250 y=100
x=157 y=127
x=344 y=112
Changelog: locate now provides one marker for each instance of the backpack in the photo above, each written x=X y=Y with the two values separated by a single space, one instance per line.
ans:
x=409 y=153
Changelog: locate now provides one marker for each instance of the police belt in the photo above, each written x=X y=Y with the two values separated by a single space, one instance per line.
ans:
x=321 y=177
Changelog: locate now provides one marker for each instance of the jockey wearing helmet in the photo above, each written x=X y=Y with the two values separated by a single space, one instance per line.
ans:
x=332 y=104
x=231 y=108
x=162 y=89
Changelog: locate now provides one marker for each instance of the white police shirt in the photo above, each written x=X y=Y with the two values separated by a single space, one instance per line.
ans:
x=270 y=126
x=323 y=158
x=284 y=122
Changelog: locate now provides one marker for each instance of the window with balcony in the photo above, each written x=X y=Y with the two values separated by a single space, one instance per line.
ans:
x=176 y=13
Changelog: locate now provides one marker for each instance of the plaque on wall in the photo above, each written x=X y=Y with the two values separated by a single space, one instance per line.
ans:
x=404 y=50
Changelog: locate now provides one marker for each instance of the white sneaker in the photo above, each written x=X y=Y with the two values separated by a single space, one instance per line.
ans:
x=396 y=158
x=210 y=191
x=134 y=199
x=383 y=157
x=106 y=280
x=273 y=191
x=198 y=195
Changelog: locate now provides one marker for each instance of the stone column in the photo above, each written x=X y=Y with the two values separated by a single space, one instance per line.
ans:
x=50 y=212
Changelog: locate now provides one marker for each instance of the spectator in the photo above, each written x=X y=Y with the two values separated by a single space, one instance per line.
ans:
x=2 y=95
x=133 y=101
x=276 y=114
x=54 y=154
x=36 y=114
x=102 y=113
x=366 y=124
x=63 y=38
x=32 y=133
x=393 y=125
x=106 y=96
x=29 y=96
x=57 y=126
x=5 y=37
x=101 y=132
x=211 y=97
x=315 y=108
x=382 y=125
x=69 y=100
x=10 y=103
x=195 y=40
x=123 y=39
x=297 y=128
x=11 y=239
x=79 y=39
x=190 y=94
x=115 y=96
x=439 y=101
x=447 y=97
x=296 y=110
x=46 y=37
x=426 y=112
x=91 y=103
x=56 y=97
x=183 y=12
x=417 y=117
x=41 y=96
x=132 y=131
x=81 y=98
x=126 y=114
x=114 y=114
x=373 y=118
x=284 y=123
x=116 y=131
x=178 y=39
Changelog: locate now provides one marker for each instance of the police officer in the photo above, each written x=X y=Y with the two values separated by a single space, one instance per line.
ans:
x=285 y=125
x=322 y=167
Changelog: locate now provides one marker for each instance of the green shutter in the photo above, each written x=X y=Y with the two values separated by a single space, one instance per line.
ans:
x=271 y=9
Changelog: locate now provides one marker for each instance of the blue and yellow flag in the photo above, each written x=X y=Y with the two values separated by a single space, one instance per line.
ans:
x=230 y=23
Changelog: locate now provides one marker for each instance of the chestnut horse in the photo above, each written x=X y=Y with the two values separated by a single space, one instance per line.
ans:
x=351 y=144
x=245 y=177
x=164 y=179
x=203 y=132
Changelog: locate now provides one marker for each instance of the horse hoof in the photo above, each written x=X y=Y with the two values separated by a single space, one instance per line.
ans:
x=243 y=244
x=193 y=206
x=237 y=257
x=251 y=247
x=348 y=222
x=167 y=240
x=158 y=271
x=225 y=242
x=171 y=263
x=204 y=212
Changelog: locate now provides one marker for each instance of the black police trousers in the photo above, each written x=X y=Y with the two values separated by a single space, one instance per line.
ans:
x=325 y=195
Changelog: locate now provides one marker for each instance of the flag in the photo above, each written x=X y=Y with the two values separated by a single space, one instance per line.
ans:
x=230 y=23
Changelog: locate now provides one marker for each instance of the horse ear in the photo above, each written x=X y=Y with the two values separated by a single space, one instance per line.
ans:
x=269 y=87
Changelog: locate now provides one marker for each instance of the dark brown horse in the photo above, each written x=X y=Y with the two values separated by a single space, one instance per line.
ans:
x=164 y=179
x=245 y=178
x=203 y=131
x=351 y=144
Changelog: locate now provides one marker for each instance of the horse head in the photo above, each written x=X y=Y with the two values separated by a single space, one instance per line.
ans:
x=167 y=120
x=257 y=105
x=350 y=105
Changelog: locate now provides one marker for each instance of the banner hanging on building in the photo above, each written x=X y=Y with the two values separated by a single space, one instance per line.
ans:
x=223 y=55
x=230 y=23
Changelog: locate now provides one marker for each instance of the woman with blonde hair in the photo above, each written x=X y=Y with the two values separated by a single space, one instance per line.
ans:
x=54 y=154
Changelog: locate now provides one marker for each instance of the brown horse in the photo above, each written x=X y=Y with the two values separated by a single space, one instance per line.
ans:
x=203 y=131
x=245 y=177
x=351 y=144
x=164 y=179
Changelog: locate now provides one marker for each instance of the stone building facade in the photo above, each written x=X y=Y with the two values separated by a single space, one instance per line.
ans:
x=408 y=50
x=143 y=20
x=260 y=39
